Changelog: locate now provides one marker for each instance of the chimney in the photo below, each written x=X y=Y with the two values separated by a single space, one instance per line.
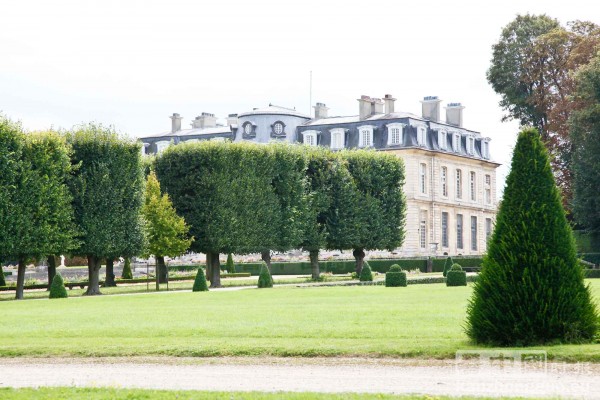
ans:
x=321 y=110
x=454 y=114
x=389 y=103
x=175 y=123
x=205 y=120
x=232 y=119
x=376 y=106
x=364 y=107
x=431 y=108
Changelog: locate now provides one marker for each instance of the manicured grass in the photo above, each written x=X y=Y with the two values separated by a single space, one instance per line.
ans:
x=415 y=321
x=130 y=394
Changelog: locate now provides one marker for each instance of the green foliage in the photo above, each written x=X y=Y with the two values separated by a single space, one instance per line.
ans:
x=449 y=262
x=127 y=273
x=456 y=277
x=2 y=280
x=456 y=267
x=165 y=230
x=200 y=282
x=585 y=136
x=264 y=278
x=395 y=268
x=57 y=288
x=530 y=289
x=230 y=266
x=366 y=275
x=591 y=273
x=395 y=278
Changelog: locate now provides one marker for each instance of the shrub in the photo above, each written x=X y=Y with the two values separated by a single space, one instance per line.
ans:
x=456 y=267
x=366 y=275
x=264 y=278
x=230 y=266
x=395 y=278
x=456 y=277
x=591 y=273
x=447 y=265
x=2 y=280
x=57 y=288
x=200 y=281
x=127 y=274
x=395 y=268
x=530 y=289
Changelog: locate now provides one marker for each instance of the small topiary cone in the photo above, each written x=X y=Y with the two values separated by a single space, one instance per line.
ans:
x=230 y=266
x=447 y=265
x=366 y=275
x=57 y=289
x=200 y=282
x=127 y=274
x=264 y=278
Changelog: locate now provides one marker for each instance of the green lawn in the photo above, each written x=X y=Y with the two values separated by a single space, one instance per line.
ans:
x=416 y=321
x=130 y=394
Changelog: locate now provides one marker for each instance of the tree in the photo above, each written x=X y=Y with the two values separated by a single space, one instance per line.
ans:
x=225 y=193
x=165 y=230
x=126 y=273
x=264 y=277
x=2 y=280
x=585 y=134
x=200 y=282
x=230 y=266
x=530 y=289
x=377 y=212
x=57 y=288
x=107 y=190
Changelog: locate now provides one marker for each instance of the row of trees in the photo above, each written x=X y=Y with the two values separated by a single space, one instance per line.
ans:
x=247 y=198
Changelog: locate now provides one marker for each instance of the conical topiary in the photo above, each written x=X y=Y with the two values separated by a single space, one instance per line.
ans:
x=200 y=281
x=127 y=274
x=2 y=280
x=447 y=265
x=230 y=266
x=530 y=289
x=57 y=288
x=264 y=278
x=366 y=275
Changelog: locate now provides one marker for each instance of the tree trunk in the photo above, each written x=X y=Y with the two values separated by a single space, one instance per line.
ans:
x=359 y=256
x=266 y=257
x=161 y=269
x=314 y=264
x=215 y=282
x=93 y=276
x=109 y=281
x=51 y=269
x=20 y=278
x=208 y=266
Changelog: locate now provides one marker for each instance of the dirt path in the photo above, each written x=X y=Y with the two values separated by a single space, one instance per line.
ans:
x=317 y=375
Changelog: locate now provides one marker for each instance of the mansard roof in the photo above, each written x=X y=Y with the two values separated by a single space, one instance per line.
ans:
x=190 y=132
x=274 y=110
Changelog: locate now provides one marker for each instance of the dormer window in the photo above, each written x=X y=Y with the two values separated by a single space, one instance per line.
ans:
x=365 y=135
x=338 y=136
x=485 y=149
x=278 y=129
x=310 y=138
x=470 y=145
x=456 y=142
x=162 y=146
x=248 y=129
x=395 y=134
x=421 y=136
x=442 y=140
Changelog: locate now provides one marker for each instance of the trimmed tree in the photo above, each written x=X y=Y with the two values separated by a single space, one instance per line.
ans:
x=107 y=190
x=127 y=273
x=2 y=279
x=230 y=266
x=366 y=275
x=57 y=288
x=395 y=277
x=167 y=232
x=200 y=281
x=447 y=265
x=531 y=289
x=456 y=276
x=264 y=278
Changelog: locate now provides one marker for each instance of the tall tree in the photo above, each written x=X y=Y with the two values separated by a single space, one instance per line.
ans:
x=107 y=190
x=530 y=289
x=166 y=231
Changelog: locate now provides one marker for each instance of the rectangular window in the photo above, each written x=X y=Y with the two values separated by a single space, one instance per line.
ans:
x=444 y=229
x=488 y=189
x=474 y=233
x=456 y=142
x=423 y=230
x=458 y=184
x=366 y=137
x=488 y=228
x=471 y=145
x=396 y=135
x=442 y=140
x=473 y=187
x=423 y=178
x=459 y=231
x=421 y=136
x=444 y=178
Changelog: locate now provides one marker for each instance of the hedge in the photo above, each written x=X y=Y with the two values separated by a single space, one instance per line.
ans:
x=594 y=258
x=591 y=273
x=395 y=279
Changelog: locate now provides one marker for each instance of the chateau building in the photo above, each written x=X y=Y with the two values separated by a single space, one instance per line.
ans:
x=450 y=178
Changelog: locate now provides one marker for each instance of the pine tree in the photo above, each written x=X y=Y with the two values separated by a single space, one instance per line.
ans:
x=264 y=278
x=366 y=275
x=230 y=266
x=57 y=289
x=447 y=265
x=127 y=274
x=530 y=289
x=200 y=282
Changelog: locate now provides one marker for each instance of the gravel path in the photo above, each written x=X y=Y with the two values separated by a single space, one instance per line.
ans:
x=316 y=375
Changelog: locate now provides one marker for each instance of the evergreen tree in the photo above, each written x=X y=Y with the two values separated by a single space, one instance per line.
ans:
x=447 y=265
x=230 y=266
x=366 y=275
x=530 y=289
x=57 y=288
x=264 y=278
x=127 y=273
x=200 y=281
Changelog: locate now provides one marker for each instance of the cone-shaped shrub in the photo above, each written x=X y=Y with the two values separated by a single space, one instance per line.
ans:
x=366 y=275
x=530 y=289
x=395 y=277
x=57 y=289
x=447 y=265
x=230 y=266
x=127 y=274
x=200 y=281
x=2 y=280
x=456 y=276
x=264 y=278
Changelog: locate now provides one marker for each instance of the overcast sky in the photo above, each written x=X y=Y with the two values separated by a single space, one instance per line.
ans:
x=131 y=64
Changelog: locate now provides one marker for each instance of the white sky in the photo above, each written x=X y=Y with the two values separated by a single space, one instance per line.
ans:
x=131 y=64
